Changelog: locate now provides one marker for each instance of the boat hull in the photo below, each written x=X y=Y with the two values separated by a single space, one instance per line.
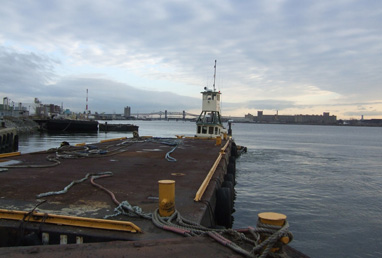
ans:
x=71 y=126
x=118 y=127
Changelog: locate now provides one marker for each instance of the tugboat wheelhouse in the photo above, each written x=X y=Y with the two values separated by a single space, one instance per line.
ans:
x=209 y=122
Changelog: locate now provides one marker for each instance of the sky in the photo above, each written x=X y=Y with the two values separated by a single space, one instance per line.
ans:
x=291 y=57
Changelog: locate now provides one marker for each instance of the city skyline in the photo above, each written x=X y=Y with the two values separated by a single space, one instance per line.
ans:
x=30 y=107
x=295 y=57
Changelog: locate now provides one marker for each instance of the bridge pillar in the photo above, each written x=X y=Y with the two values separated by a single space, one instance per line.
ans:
x=184 y=115
x=165 y=115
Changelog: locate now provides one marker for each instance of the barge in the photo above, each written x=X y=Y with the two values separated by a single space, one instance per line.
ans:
x=71 y=194
x=139 y=196
x=67 y=125
x=118 y=127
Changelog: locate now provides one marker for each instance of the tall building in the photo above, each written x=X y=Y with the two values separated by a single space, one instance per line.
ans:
x=127 y=112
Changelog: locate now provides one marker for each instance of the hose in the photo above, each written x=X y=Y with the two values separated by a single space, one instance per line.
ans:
x=65 y=190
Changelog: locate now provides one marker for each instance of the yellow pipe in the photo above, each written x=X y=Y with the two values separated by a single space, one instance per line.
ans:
x=226 y=145
x=10 y=154
x=115 y=139
x=71 y=220
x=203 y=186
x=166 y=197
x=199 y=138
x=80 y=144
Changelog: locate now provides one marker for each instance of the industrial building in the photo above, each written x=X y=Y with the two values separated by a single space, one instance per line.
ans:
x=325 y=118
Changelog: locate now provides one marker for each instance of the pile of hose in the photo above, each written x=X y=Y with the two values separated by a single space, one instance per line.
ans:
x=259 y=249
x=178 y=224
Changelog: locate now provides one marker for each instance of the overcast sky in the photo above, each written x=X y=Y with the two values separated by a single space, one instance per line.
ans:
x=297 y=57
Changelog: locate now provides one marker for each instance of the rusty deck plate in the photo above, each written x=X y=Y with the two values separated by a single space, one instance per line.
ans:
x=136 y=168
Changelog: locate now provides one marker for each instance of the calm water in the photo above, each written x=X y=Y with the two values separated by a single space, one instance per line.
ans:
x=326 y=179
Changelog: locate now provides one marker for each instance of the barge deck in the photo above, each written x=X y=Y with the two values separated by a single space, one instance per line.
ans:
x=136 y=167
x=130 y=169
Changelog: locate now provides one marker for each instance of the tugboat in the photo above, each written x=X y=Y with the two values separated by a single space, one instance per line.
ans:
x=209 y=123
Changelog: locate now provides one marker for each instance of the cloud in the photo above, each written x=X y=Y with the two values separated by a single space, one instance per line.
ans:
x=24 y=72
x=31 y=75
x=311 y=52
x=110 y=96
x=265 y=104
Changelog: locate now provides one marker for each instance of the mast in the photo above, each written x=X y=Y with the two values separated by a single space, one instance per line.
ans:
x=86 y=101
x=214 y=75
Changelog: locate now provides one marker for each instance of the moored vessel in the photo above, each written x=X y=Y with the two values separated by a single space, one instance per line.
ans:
x=209 y=122
x=68 y=125
x=106 y=127
x=117 y=197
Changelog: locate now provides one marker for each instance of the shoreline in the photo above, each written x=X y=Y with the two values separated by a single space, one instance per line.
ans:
x=359 y=125
x=23 y=125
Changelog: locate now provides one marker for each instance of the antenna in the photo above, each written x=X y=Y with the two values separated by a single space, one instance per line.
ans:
x=86 y=101
x=214 y=75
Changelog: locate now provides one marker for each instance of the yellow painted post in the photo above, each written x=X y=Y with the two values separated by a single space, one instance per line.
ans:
x=218 y=141
x=166 y=197
x=79 y=240
x=272 y=218
x=63 y=239
x=45 y=238
x=225 y=136
x=275 y=219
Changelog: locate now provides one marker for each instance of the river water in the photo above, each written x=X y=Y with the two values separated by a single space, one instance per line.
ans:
x=326 y=179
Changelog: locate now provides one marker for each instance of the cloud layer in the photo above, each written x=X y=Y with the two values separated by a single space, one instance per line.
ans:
x=291 y=56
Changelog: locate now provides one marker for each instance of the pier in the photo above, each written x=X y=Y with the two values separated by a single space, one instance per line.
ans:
x=9 y=140
x=134 y=168
x=75 y=199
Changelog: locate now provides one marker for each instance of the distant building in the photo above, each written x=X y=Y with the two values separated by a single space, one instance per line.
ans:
x=48 y=110
x=316 y=119
x=127 y=112
x=11 y=110
x=325 y=118
x=249 y=117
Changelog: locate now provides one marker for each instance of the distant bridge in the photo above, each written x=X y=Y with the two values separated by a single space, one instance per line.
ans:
x=166 y=115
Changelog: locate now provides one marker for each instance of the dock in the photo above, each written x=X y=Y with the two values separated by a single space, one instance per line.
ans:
x=134 y=167
x=63 y=201
x=9 y=139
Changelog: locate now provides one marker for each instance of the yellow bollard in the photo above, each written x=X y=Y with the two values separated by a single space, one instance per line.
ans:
x=272 y=218
x=166 y=197
x=225 y=136
x=276 y=219
x=218 y=141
